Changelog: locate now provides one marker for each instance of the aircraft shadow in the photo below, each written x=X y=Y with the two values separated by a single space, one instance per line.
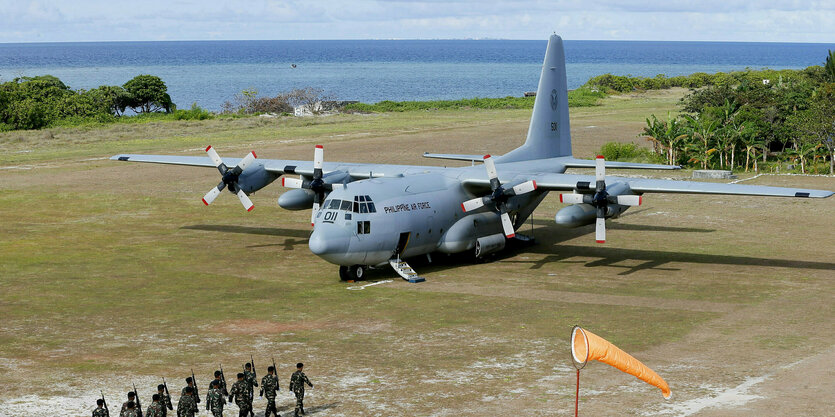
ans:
x=288 y=244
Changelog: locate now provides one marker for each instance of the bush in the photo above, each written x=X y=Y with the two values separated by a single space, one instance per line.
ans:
x=616 y=151
x=194 y=113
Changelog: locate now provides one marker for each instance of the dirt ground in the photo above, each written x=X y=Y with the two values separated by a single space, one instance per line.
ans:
x=114 y=273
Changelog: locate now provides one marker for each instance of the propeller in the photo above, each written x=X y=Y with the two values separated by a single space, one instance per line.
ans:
x=316 y=184
x=600 y=199
x=229 y=178
x=499 y=196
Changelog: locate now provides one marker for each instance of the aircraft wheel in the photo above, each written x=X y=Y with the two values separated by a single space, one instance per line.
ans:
x=357 y=272
x=344 y=273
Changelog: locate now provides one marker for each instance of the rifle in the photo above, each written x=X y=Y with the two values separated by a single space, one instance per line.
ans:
x=105 y=403
x=138 y=404
x=254 y=382
x=168 y=401
x=223 y=381
x=196 y=392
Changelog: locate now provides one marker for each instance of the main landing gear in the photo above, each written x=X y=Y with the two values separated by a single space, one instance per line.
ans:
x=352 y=273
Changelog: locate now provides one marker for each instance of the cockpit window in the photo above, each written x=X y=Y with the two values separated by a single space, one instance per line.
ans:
x=363 y=204
x=346 y=205
x=334 y=204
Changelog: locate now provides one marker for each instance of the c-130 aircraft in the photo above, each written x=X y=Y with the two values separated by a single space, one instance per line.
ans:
x=370 y=215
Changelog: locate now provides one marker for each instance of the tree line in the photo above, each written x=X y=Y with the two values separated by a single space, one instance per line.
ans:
x=742 y=120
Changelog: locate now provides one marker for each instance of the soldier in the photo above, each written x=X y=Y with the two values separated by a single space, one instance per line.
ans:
x=215 y=399
x=156 y=408
x=189 y=383
x=239 y=394
x=130 y=410
x=297 y=382
x=186 y=407
x=100 y=411
x=269 y=386
x=221 y=383
x=251 y=381
x=164 y=400
x=131 y=399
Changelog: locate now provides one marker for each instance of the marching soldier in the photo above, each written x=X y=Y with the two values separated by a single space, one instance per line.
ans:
x=130 y=410
x=164 y=400
x=240 y=395
x=215 y=399
x=251 y=381
x=189 y=384
x=100 y=411
x=221 y=383
x=269 y=386
x=156 y=408
x=131 y=400
x=297 y=382
x=186 y=407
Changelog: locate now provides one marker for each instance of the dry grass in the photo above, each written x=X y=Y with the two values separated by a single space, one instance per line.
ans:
x=113 y=272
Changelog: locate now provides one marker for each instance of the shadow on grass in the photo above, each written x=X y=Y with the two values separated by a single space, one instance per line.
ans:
x=288 y=244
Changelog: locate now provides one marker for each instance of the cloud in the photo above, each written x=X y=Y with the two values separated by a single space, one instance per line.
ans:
x=97 y=20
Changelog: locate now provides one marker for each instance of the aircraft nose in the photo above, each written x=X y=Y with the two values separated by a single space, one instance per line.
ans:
x=322 y=245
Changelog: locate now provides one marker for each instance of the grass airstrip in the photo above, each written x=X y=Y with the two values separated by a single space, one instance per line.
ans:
x=113 y=273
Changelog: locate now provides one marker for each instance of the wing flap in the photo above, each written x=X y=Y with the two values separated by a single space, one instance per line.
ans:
x=455 y=156
x=589 y=163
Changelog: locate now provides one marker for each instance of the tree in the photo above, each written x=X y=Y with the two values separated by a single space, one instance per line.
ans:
x=148 y=93
x=702 y=135
x=668 y=135
x=829 y=67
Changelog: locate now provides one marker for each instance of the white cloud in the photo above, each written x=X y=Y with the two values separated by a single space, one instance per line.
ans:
x=96 y=20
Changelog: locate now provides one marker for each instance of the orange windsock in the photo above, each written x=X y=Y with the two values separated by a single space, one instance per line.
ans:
x=586 y=346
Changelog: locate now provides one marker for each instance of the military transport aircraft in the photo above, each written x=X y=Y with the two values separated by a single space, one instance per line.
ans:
x=370 y=215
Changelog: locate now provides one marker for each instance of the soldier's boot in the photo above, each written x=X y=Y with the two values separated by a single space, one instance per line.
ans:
x=303 y=413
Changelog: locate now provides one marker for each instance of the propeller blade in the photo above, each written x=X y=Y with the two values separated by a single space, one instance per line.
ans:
x=212 y=194
x=524 y=187
x=571 y=198
x=629 y=200
x=246 y=161
x=491 y=167
x=245 y=200
x=318 y=157
x=214 y=156
x=507 y=225
x=600 y=230
x=313 y=214
x=473 y=204
x=291 y=182
x=600 y=168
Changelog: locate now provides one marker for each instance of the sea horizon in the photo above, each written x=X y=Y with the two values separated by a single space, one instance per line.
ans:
x=210 y=72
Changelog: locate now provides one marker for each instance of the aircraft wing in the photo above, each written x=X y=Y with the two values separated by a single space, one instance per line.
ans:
x=569 y=182
x=589 y=163
x=459 y=157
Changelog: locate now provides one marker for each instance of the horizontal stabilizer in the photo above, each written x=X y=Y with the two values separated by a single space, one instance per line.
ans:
x=589 y=163
x=455 y=157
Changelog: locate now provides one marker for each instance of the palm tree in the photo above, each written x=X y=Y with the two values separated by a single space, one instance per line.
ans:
x=702 y=134
x=667 y=135
x=829 y=66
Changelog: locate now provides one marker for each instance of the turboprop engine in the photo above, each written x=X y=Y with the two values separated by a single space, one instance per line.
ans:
x=582 y=214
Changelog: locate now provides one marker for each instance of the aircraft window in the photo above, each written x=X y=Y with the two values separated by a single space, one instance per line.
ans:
x=334 y=204
x=367 y=227
x=371 y=208
x=356 y=208
x=363 y=228
x=346 y=205
x=367 y=198
x=363 y=208
x=361 y=198
x=319 y=214
x=347 y=216
x=360 y=229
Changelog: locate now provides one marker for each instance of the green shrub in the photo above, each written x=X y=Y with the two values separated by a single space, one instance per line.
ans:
x=616 y=151
x=194 y=113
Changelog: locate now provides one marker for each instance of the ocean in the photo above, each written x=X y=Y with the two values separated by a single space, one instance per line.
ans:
x=211 y=72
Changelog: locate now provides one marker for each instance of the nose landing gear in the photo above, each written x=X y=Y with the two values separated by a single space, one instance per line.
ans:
x=352 y=273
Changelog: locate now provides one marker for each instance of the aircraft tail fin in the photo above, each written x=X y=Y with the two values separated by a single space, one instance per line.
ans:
x=549 y=134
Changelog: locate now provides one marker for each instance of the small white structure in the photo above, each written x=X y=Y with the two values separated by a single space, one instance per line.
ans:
x=766 y=82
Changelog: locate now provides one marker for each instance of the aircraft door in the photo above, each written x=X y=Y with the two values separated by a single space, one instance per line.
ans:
x=402 y=242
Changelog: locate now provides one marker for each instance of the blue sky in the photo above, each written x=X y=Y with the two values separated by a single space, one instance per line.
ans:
x=712 y=20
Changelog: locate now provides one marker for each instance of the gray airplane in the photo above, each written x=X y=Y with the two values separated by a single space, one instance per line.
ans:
x=372 y=215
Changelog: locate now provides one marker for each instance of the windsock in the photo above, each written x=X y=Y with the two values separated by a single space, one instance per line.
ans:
x=586 y=346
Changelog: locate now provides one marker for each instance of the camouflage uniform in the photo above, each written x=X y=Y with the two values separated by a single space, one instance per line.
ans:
x=297 y=382
x=154 y=410
x=269 y=383
x=129 y=412
x=124 y=412
x=215 y=401
x=193 y=394
x=100 y=412
x=186 y=407
x=239 y=393
x=249 y=378
x=165 y=403
x=222 y=386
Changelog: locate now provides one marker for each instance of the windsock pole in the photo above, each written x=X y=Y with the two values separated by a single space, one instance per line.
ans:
x=577 y=397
